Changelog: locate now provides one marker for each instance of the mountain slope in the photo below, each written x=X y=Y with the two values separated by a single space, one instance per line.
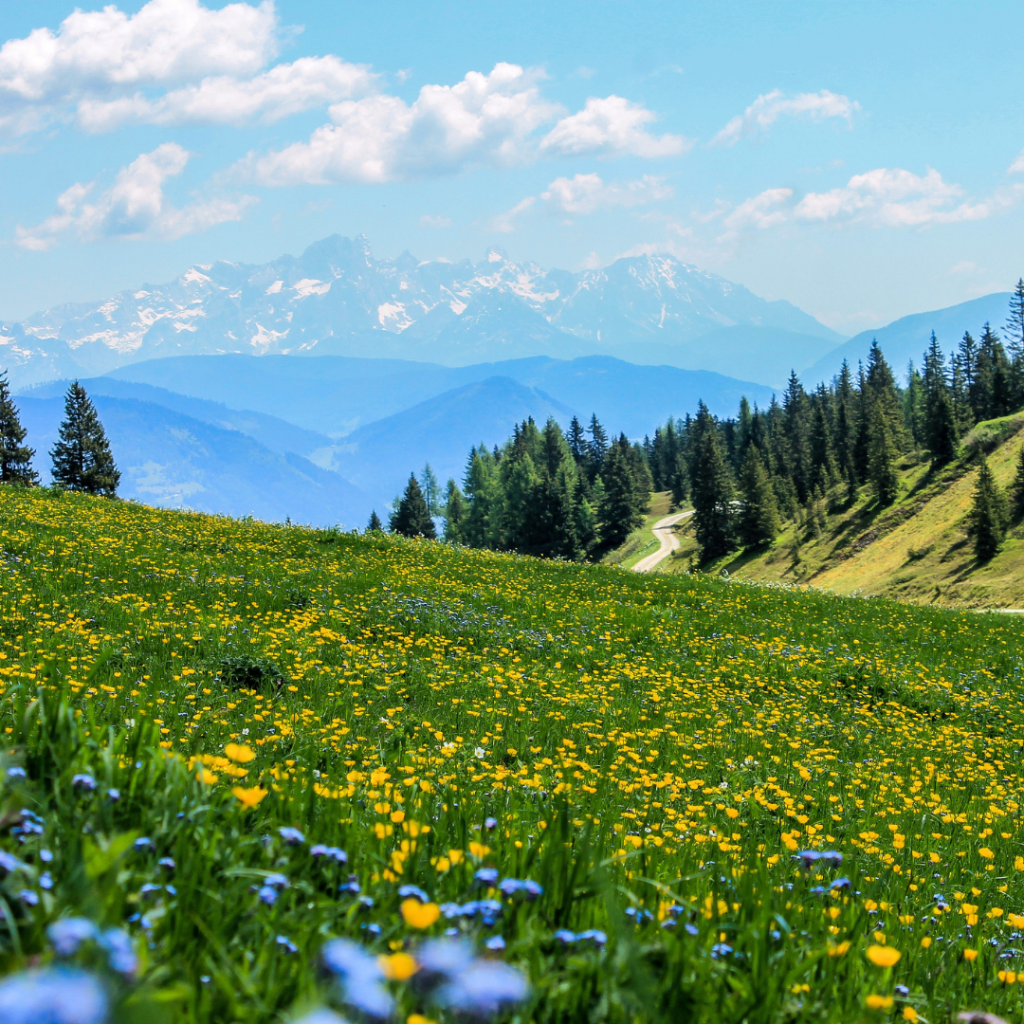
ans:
x=333 y=395
x=276 y=434
x=917 y=550
x=379 y=457
x=337 y=298
x=173 y=461
x=908 y=337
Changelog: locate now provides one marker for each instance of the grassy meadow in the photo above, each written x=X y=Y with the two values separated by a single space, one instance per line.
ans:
x=657 y=798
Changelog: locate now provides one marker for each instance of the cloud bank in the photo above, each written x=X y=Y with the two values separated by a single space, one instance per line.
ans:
x=134 y=207
x=767 y=109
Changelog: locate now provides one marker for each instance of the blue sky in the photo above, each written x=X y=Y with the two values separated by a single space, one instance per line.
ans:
x=863 y=160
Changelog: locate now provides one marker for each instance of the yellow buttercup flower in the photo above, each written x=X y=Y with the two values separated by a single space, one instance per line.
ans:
x=874 y=1002
x=883 y=956
x=398 y=966
x=240 y=752
x=419 y=915
x=249 y=797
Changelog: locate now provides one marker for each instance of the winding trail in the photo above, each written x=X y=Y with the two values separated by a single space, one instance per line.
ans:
x=667 y=540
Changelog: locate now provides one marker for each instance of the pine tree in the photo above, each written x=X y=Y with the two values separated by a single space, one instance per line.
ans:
x=940 y=421
x=431 y=491
x=882 y=455
x=913 y=406
x=988 y=518
x=483 y=525
x=578 y=443
x=412 y=517
x=454 y=514
x=620 y=512
x=846 y=429
x=82 y=460
x=759 y=517
x=967 y=364
x=1017 y=489
x=374 y=525
x=1015 y=343
x=15 y=457
x=598 y=447
x=711 y=490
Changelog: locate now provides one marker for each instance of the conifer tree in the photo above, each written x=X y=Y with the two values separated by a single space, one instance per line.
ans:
x=412 y=517
x=711 y=489
x=913 y=406
x=988 y=518
x=759 y=517
x=940 y=421
x=82 y=460
x=374 y=525
x=820 y=451
x=15 y=457
x=598 y=447
x=620 y=510
x=431 y=491
x=1015 y=343
x=846 y=431
x=882 y=455
x=482 y=526
x=454 y=513
x=680 y=481
x=578 y=443
x=1017 y=489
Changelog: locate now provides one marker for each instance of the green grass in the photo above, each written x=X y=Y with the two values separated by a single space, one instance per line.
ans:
x=649 y=750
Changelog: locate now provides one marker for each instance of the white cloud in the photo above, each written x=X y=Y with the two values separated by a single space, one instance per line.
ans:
x=483 y=118
x=284 y=90
x=1017 y=167
x=506 y=221
x=767 y=109
x=761 y=211
x=431 y=221
x=586 y=193
x=612 y=126
x=133 y=207
x=95 y=53
x=899 y=198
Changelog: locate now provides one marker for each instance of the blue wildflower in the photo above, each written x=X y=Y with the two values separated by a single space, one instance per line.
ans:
x=286 y=944
x=46 y=880
x=67 y=934
x=291 y=836
x=17 y=773
x=360 y=978
x=268 y=895
x=9 y=863
x=83 y=782
x=144 y=844
x=405 y=891
x=487 y=876
x=53 y=996
x=483 y=989
x=566 y=937
x=593 y=935
x=29 y=898
x=276 y=881
x=117 y=944
x=719 y=950
x=167 y=863
x=334 y=853
x=495 y=943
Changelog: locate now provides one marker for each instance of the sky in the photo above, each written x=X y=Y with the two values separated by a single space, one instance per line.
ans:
x=862 y=160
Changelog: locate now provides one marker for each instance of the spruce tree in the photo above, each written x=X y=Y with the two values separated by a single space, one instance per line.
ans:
x=374 y=525
x=711 y=490
x=620 y=512
x=578 y=443
x=597 y=447
x=759 y=517
x=940 y=420
x=81 y=457
x=15 y=457
x=1015 y=342
x=431 y=491
x=454 y=514
x=412 y=517
x=987 y=520
x=1017 y=489
x=882 y=455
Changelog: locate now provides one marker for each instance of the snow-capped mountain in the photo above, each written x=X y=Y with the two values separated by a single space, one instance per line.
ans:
x=336 y=298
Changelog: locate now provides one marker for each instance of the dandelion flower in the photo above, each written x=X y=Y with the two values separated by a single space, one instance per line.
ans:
x=249 y=797
x=883 y=956
x=239 y=752
x=419 y=915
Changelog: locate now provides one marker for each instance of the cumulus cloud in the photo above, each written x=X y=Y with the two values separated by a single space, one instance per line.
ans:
x=760 y=211
x=489 y=119
x=98 y=66
x=1017 y=167
x=767 y=109
x=899 y=198
x=133 y=207
x=612 y=126
x=435 y=221
x=587 y=193
x=284 y=90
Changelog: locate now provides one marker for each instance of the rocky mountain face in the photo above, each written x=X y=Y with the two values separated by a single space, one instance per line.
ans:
x=337 y=299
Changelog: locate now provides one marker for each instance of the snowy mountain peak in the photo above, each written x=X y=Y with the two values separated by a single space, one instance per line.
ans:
x=336 y=297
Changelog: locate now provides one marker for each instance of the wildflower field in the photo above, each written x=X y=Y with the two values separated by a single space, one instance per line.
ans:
x=255 y=773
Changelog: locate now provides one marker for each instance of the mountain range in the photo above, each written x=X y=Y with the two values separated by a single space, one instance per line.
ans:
x=338 y=299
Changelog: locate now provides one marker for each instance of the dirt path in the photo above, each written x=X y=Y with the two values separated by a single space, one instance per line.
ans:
x=667 y=540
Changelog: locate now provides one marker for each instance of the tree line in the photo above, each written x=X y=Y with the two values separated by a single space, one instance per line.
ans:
x=572 y=495
x=81 y=459
x=544 y=492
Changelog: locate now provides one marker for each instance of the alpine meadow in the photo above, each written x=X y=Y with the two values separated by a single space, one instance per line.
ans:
x=511 y=513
